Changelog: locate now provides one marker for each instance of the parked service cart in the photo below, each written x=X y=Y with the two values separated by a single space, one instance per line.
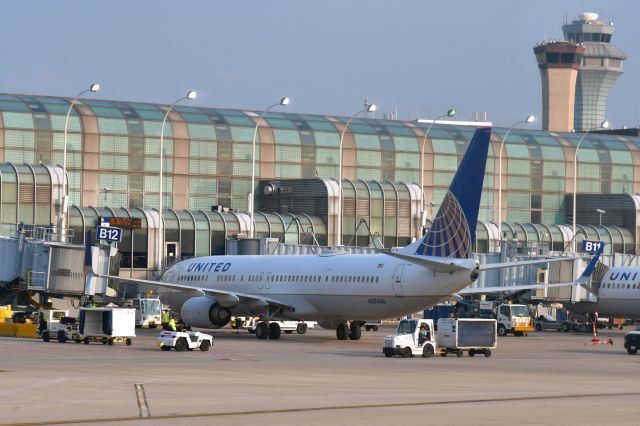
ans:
x=472 y=335
x=417 y=337
x=107 y=325
x=287 y=327
x=57 y=324
x=632 y=341
x=181 y=340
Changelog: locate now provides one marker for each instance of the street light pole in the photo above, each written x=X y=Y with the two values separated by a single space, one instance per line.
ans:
x=191 y=94
x=369 y=108
x=600 y=213
x=603 y=125
x=65 y=194
x=284 y=102
x=529 y=119
x=450 y=113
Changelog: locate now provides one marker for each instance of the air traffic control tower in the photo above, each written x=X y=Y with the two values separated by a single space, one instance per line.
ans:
x=599 y=69
x=559 y=62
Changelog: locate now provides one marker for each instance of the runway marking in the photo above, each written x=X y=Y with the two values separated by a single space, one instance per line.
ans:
x=143 y=406
x=327 y=408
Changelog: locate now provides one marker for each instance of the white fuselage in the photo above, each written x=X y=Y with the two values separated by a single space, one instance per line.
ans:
x=619 y=293
x=331 y=286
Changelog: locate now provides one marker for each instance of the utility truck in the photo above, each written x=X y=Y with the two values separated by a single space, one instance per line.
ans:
x=417 y=337
x=57 y=324
x=515 y=319
x=287 y=327
x=148 y=311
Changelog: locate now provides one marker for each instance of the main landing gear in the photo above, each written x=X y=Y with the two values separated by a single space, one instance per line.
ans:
x=352 y=331
x=266 y=329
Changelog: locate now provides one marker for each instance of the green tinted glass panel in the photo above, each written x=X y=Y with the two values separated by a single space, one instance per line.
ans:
x=244 y=169
x=288 y=171
x=239 y=121
x=589 y=155
x=591 y=186
x=150 y=115
x=621 y=157
x=621 y=187
x=202 y=167
x=518 y=167
x=200 y=149
x=622 y=172
x=288 y=154
x=407 y=175
x=286 y=137
x=17 y=120
x=202 y=131
x=321 y=125
x=553 y=184
x=369 y=158
x=518 y=200
x=243 y=134
x=114 y=162
x=367 y=142
x=445 y=162
x=152 y=146
x=244 y=152
x=327 y=156
x=74 y=141
x=105 y=112
x=407 y=161
x=114 y=144
x=113 y=125
x=327 y=139
x=154 y=128
x=406 y=144
x=589 y=171
x=57 y=123
x=551 y=168
x=327 y=171
x=520 y=216
x=152 y=164
x=19 y=139
x=552 y=153
x=13 y=106
x=18 y=156
x=280 y=123
x=552 y=202
x=202 y=186
x=516 y=150
x=442 y=178
x=152 y=183
x=114 y=181
x=519 y=182
x=443 y=146
x=368 y=174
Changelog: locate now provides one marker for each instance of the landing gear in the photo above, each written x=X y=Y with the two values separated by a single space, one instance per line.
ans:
x=262 y=330
x=342 y=331
x=355 y=330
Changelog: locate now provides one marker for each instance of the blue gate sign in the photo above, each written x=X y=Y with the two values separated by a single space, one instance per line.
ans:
x=589 y=246
x=109 y=233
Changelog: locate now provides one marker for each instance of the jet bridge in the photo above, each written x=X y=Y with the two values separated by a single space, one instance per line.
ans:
x=38 y=260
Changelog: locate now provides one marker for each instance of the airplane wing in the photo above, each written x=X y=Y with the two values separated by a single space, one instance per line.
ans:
x=225 y=298
x=498 y=289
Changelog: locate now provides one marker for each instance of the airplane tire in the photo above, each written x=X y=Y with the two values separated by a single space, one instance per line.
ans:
x=355 y=331
x=274 y=331
x=342 y=331
x=262 y=330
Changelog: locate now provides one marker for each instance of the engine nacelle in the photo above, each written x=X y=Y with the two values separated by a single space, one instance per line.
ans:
x=204 y=312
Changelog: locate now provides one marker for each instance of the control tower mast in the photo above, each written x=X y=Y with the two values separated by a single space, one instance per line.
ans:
x=599 y=69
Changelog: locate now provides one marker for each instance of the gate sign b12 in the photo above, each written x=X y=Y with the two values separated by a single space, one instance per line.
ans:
x=589 y=246
x=109 y=233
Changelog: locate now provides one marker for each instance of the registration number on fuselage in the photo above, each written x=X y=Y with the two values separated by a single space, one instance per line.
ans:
x=376 y=301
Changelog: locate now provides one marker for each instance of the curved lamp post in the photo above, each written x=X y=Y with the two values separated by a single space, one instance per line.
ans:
x=65 y=194
x=284 y=102
x=450 y=113
x=191 y=95
x=369 y=108
x=530 y=119
x=603 y=125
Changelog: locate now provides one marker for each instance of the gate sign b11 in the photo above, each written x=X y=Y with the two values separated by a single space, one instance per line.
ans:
x=589 y=246
x=109 y=233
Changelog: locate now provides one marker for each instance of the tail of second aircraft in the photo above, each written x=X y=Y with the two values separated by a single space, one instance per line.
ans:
x=453 y=231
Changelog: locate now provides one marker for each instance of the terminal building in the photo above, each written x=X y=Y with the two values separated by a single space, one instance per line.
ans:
x=113 y=160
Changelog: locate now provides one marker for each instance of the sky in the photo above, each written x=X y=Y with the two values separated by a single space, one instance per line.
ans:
x=416 y=58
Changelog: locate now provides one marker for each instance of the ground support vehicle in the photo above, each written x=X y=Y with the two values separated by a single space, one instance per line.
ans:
x=545 y=322
x=632 y=341
x=56 y=324
x=148 y=311
x=287 y=327
x=372 y=325
x=515 y=319
x=416 y=337
x=107 y=325
x=184 y=340
x=472 y=335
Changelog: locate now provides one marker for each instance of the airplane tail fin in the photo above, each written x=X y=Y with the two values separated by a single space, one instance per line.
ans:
x=591 y=266
x=453 y=231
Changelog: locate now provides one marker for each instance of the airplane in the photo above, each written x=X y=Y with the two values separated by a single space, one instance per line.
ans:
x=617 y=295
x=336 y=289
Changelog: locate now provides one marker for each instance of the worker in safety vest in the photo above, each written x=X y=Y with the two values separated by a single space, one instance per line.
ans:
x=172 y=324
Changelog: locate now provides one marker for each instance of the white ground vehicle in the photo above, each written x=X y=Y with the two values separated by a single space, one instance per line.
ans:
x=56 y=324
x=514 y=319
x=416 y=337
x=184 y=340
x=288 y=327
x=107 y=325
x=372 y=325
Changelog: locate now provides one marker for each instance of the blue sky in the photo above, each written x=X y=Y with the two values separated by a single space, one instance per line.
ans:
x=416 y=57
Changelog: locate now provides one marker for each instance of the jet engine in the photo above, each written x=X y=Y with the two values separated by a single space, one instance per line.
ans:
x=204 y=312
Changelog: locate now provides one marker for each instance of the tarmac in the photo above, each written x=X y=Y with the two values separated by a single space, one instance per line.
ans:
x=545 y=378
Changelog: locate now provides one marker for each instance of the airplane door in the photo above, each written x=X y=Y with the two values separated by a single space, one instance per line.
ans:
x=397 y=280
x=268 y=280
